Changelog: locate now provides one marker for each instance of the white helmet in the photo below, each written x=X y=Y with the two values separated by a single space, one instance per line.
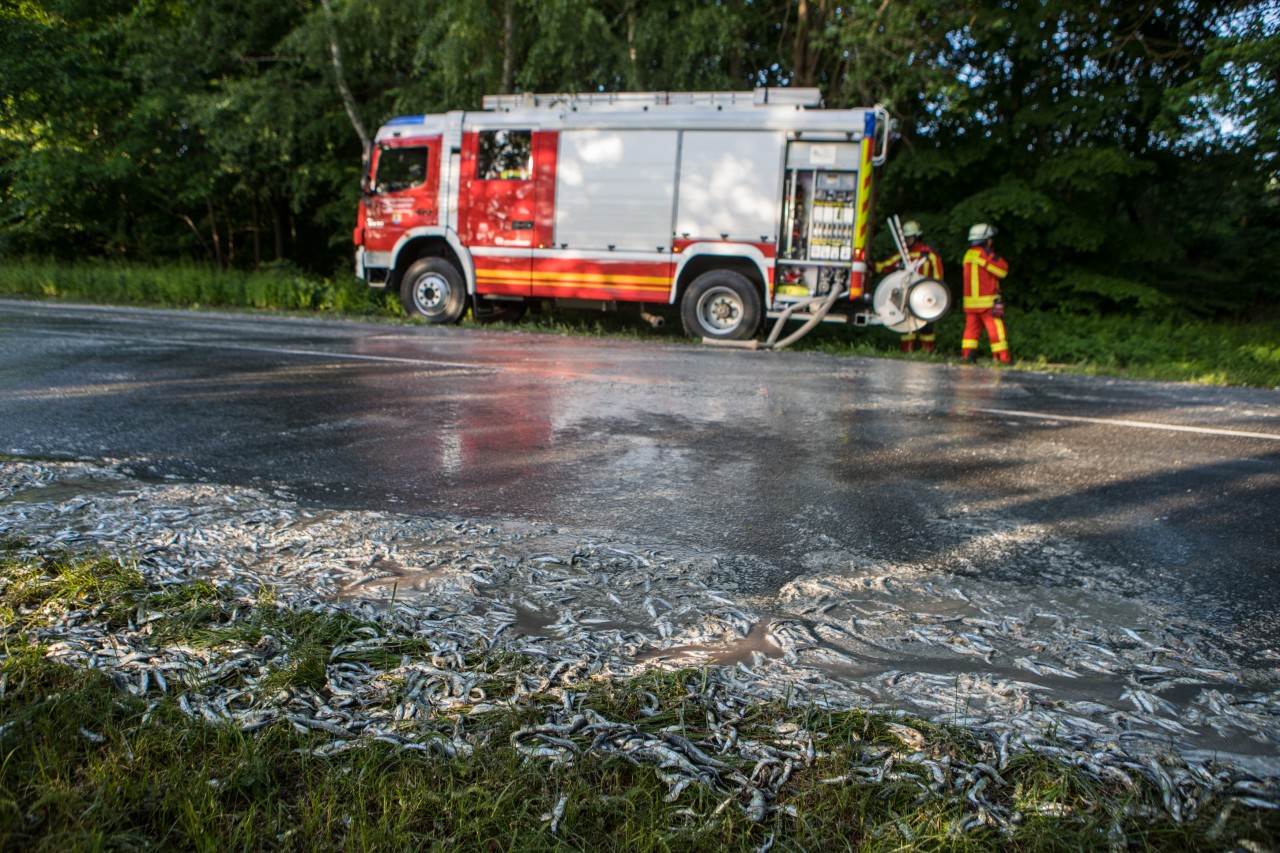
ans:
x=981 y=232
x=911 y=228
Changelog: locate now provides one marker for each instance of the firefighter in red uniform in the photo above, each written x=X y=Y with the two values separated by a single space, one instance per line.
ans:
x=983 y=272
x=931 y=268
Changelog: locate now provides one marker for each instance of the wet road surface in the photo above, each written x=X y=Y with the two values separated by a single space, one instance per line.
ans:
x=779 y=463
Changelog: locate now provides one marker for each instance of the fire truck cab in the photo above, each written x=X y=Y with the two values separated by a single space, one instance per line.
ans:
x=733 y=206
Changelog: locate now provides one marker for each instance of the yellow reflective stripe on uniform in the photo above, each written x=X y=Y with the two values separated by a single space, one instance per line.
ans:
x=1001 y=343
x=930 y=267
x=972 y=260
x=996 y=271
x=888 y=263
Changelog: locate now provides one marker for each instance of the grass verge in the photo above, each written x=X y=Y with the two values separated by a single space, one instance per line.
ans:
x=95 y=757
x=1154 y=346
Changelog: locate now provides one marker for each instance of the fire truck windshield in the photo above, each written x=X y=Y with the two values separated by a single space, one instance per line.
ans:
x=400 y=168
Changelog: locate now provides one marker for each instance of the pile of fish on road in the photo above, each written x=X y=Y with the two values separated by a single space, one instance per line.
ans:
x=1116 y=687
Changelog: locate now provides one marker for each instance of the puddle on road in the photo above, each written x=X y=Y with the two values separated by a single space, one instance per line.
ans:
x=1086 y=662
x=58 y=491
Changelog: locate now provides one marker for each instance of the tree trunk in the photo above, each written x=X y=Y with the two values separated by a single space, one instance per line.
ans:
x=257 y=239
x=277 y=230
x=508 y=47
x=340 y=77
x=811 y=15
x=633 y=64
x=213 y=229
x=800 y=47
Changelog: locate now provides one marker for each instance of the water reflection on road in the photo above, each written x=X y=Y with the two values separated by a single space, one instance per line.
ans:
x=874 y=524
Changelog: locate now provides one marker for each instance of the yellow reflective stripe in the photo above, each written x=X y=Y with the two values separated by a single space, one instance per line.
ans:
x=996 y=271
x=887 y=263
x=969 y=343
x=551 y=279
x=607 y=285
x=501 y=275
x=979 y=301
x=861 y=226
x=601 y=278
x=929 y=269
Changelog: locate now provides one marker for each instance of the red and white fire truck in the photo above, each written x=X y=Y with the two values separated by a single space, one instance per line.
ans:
x=734 y=206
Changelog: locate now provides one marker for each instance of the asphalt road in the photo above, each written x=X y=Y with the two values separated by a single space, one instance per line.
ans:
x=777 y=462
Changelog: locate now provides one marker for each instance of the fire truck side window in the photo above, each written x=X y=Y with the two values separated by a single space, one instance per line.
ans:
x=505 y=155
x=400 y=169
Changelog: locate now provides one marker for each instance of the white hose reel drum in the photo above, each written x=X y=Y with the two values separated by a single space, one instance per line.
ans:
x=907 y=301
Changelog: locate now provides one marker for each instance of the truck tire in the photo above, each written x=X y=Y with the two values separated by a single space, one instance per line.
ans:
x=721 y=304
x=432 y=288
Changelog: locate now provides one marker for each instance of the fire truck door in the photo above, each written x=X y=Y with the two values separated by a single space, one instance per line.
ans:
x=498 y=209
x=402 y=191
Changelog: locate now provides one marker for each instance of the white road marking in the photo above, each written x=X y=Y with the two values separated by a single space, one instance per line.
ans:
x=419 y=362
x=182 y=342
x=1232 y=433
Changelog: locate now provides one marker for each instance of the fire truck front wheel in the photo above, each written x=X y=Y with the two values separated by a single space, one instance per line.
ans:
x=721 y=304
x=432 y=289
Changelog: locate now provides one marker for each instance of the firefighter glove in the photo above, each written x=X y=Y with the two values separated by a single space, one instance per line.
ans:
x=997 y=308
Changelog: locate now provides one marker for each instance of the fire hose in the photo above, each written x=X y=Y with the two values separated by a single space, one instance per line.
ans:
x=821 y=305
x=824 y=304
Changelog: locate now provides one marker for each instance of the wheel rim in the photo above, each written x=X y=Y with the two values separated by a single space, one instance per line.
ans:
x=431 y=293
x=720 y=310
x=928 y=300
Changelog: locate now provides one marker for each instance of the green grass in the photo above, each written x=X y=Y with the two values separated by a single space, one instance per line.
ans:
x=187 y=286
x=1151 y=346
x=89 y=765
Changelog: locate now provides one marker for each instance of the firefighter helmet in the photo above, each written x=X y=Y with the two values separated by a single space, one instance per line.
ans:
x=911 y=228
x=981 y=232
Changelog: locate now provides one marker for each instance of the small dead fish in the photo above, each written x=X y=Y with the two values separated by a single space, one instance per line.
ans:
x=557 y=813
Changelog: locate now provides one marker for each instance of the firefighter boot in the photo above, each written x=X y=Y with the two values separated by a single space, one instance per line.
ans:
x=969 y=356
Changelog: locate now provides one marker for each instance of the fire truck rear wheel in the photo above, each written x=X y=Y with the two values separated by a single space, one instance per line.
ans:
x=721 y=304
x=432 y=288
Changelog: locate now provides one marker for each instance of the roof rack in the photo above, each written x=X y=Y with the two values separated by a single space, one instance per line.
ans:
x=797 y=97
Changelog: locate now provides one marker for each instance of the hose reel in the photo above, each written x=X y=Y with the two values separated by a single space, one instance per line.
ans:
x=904 y=300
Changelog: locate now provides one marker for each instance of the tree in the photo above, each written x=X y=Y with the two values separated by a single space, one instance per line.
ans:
x=1127 y=151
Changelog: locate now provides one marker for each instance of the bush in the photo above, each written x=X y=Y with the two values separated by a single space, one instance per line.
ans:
x=277 y=287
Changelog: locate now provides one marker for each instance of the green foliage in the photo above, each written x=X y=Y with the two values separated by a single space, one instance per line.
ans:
x=1126 y=152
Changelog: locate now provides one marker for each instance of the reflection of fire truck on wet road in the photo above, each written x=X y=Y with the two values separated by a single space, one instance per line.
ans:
x=734 y=206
